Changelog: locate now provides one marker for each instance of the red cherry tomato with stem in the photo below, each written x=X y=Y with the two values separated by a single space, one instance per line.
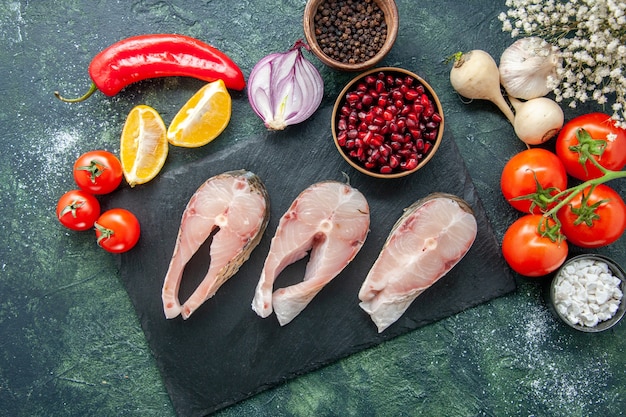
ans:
x=98 y=172
x=592 y=135
x=78 y=210
x=594 y=218
x=533 y=171
x=530 y=252
x=117 y=230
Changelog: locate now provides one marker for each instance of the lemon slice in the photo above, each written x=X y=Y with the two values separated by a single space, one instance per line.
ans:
x=202 y=118
x=144 y=145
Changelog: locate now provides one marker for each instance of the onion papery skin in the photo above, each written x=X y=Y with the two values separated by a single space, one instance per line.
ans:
x=285 y=88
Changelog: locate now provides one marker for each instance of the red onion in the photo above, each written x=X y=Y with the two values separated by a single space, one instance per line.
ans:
x=285 y=88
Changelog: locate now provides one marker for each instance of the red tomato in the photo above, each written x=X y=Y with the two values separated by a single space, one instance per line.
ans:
x=78 y=210
x=117 y=230
x=522 y=172
x=529 y=253
x=595 y=228
x=98 y=172
x=603 y=133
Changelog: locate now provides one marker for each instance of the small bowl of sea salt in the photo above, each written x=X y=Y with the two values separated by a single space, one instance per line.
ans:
x=587 y=293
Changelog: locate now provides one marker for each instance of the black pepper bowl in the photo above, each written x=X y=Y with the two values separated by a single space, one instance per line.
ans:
x=387 y=122
x=560 y=300
x=362 y=33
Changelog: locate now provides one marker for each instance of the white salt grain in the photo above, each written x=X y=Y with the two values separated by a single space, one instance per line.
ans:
x=587 y=293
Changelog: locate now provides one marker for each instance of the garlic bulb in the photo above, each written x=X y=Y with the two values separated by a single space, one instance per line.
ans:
x=528 y=68
x=537 y=120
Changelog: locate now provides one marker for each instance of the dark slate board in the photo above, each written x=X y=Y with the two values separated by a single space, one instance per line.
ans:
x=225 y=353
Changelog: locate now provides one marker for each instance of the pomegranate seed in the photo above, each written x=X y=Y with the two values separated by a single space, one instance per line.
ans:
x=436 y=117
x=408 y=80
x=396 y=95
x=409 y=164
x=380 y=86
x=341 y=138
x=367 y=100
x=386 y=169
x=370 y=80
x=341 y=124
x=419 y=144
x=352 y=133
x=397 y=137
x=395 y=146
x=416 y=133
x=427 y=146
x=411 y=95
x=393 y=161
x=390 y=80
x=420 y=89
x=353 y=118
x=377 y=140
x=352 y=97
x=379 y=121
x=431 y=125
x=350 y=144
x=345 y=110
x=370 y=165
x=418 y=109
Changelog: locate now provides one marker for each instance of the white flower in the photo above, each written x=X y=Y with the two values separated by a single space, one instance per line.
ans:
x=591 y=38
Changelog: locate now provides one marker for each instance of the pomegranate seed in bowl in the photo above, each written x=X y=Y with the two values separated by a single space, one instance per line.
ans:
x=387 y=122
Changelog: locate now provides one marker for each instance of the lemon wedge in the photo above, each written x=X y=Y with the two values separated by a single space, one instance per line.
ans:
x=205 y=115
x=144 y=145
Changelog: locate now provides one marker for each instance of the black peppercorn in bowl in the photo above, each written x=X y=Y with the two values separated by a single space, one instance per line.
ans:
x=387 y=122
x=350 y=35
x=587 y=293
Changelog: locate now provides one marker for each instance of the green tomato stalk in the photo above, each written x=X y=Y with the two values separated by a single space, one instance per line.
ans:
x=543 y=198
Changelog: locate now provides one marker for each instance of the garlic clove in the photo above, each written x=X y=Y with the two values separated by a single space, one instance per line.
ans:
x=528 y=68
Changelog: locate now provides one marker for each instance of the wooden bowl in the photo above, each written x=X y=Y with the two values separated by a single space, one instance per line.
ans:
x=386 y=134
x=390 y=11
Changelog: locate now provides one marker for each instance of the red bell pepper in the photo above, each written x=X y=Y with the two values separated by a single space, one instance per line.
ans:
x=159 y=55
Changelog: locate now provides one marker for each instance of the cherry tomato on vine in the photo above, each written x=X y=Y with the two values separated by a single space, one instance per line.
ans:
x=528 y=252
x=78 y=210
x=117 y=230
x=593 y=220
x=524 y=171
x=605 y=142
x=98 y=172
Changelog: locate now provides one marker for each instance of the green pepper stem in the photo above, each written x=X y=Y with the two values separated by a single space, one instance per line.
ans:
x=92 y=89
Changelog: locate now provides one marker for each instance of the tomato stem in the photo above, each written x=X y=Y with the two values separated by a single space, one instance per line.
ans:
x=104 y=233
x=565 y=196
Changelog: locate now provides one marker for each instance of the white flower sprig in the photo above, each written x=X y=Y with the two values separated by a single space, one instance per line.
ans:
x=591 y=37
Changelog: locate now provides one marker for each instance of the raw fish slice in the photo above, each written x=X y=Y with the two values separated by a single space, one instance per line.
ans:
x=235 y=204
x=331 y=220
x=430 y=238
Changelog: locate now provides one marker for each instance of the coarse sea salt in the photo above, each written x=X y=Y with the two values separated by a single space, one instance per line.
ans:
x=586 y=292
